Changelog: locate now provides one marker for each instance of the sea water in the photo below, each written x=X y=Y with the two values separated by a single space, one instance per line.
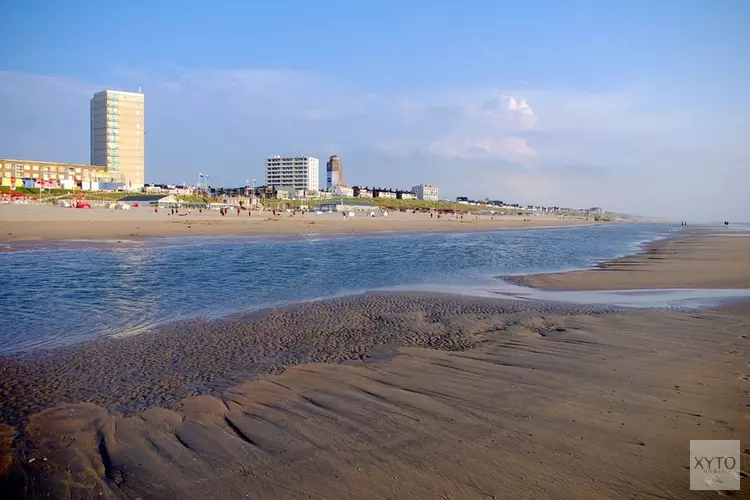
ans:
x=61 y=295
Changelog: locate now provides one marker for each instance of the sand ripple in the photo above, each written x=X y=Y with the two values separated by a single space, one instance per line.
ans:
x=204 y=357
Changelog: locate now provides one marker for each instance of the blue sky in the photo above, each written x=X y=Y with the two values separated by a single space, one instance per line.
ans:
x=635 y=106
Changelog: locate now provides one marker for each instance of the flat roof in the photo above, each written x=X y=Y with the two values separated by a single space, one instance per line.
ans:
x=111 y=91
x=56 y=163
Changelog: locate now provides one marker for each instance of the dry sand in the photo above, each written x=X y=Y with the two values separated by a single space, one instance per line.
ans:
x=44 y=223
x=389 y=396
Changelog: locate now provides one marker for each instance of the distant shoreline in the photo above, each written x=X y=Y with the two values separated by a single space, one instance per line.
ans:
x=35 y=224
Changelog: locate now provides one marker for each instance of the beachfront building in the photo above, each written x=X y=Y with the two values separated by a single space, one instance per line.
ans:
x=342 y=191
x=362 y=192
x=335 y=172
x=117 y=135
x=150 y=200
x=53 y=175
x=300 y=172
x=426 y=192
x=384 y=193
x=349 y=206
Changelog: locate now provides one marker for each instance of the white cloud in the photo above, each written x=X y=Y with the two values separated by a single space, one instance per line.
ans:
x=490 y=129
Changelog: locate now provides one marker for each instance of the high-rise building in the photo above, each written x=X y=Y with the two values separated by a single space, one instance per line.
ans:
x=335 y=172
x=117 y=135
x=299 y=172
x=426 y=192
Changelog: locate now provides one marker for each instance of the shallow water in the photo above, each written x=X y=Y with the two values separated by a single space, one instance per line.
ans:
x=672 y=298
x=58 y=296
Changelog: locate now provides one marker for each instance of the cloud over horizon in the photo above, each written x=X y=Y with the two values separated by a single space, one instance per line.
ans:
x=625 y=149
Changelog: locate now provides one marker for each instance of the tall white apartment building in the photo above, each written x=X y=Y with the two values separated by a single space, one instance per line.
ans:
x=300 y=172
x=117 y=135
x=426 y=192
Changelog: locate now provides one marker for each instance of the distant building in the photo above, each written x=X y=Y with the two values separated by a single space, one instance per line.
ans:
x=153 y=200
x=51 y=174
x=349 y=206
x=168 y=189
x=405 y=195
x=335 y=172
x=342 y=190
x=117 y=135
x=596 y=210
x=362 y=192
x=383 y=193
x=299 y=172
x=426 y=192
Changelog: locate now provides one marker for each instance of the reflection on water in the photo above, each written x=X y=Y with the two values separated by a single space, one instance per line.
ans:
x=56 y=297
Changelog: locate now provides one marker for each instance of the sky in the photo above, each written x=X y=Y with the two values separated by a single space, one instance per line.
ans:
x=635 y=106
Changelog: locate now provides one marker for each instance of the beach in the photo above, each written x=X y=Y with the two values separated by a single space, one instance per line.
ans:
x=696 y=261
x=398 y=395
x=28 y=223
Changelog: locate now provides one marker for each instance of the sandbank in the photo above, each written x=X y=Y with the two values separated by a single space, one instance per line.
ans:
x=695 y=261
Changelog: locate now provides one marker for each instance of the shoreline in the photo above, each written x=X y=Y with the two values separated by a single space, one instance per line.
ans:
x=42 y=245
x=35 y=224
x=391 y=394
x=704 y=262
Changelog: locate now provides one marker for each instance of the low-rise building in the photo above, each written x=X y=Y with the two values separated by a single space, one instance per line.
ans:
x=342 y=190
x=405 y=195
x=169 y=189
x=349 y=206
x=383 y=193
x=150 y=200
x=362 y=192
x=14 y=172
x=426 y=192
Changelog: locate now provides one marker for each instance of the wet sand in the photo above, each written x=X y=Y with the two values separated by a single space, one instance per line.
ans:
x=26 y=223
x=386 y=395
x=700 y=261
